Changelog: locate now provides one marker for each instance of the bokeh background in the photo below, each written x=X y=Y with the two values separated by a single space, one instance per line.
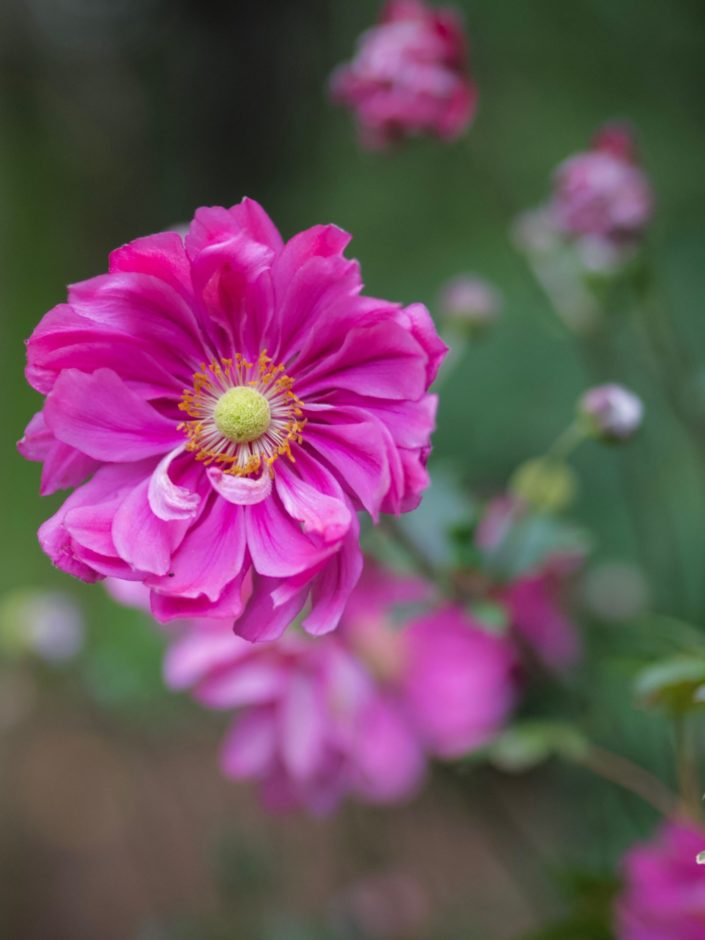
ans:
x=117 y=119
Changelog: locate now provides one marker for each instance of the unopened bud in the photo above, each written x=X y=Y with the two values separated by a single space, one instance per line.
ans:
x=612 y=412
x=470 y=303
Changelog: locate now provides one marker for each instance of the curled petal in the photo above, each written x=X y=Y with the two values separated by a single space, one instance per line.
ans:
x=242 y=491
x=317 y=502
x=167 y=500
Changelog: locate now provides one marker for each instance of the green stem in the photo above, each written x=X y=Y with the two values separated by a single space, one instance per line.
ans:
x=630 y=776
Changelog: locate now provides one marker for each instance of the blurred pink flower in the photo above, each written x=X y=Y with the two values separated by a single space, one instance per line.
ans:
x=602 y=193
x=170 y=382
x=409 y=76
x=470 y=302
x=536 y=611
x=534 y=599
x=614 y=412
x=357 y=712
x=663 y=897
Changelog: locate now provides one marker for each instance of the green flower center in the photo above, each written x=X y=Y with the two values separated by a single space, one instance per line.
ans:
x=242 y=414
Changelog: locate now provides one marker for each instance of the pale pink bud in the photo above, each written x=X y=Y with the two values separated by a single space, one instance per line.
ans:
x=613 y=412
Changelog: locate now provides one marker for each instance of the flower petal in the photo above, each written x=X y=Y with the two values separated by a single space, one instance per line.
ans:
x=277 y=545
x=241 y=491
x=64 y=466
x=334 y=585
x=100 y=416
x=141 y=538
x=311 y=495
x=262 y=618
x=250 y=747
x=210 y=556
x=168 y=500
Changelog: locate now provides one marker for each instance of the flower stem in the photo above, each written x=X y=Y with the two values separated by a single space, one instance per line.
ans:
x=630 y=776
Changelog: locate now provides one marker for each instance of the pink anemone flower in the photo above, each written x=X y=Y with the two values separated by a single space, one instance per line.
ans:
x=234 y=402
x=357 y=713
x=603 y=194
x=663 y=897
x=409 y=76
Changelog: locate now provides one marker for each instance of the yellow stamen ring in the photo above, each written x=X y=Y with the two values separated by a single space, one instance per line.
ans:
x=245 y=415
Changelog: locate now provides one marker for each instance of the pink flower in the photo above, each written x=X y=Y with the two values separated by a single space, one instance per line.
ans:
x=537 y=616
x=663 y=897
x=534 y=597
x=357 y=712
x=234 y=402
x=603 y=193
x=409 y=76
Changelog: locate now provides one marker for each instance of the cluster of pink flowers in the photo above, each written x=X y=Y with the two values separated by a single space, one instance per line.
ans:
x=235 y=402
x=358 y=712
x=409 y=76
x=663 y=897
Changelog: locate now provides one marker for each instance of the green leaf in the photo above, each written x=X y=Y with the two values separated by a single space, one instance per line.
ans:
x=676 y=684
x=526 y=745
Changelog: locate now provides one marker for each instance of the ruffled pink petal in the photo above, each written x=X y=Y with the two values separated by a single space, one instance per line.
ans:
x=424 y=330
x=212 y=224
x=264 y=619
x=229 y=606
x=102 y=417
x=162 y=256
x=311 y=295
x=334 y=585
x=379 y=361
x=250 y=747
x=106 y=487
x=311 y=495
x=410 y=423
x=320 y=241
x=141 y=538
x=64 y=466
x=210 y=556
x=66 y=339
x=232 y=279
x=149 y=309
x=357 y=452
x=167 y=499
x=241 y=491
x=277 y=546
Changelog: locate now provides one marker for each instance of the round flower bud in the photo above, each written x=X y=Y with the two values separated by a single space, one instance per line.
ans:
x=612 y=412
x=544 y=483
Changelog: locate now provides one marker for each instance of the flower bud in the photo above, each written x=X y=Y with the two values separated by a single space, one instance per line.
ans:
x=544 y=483
x=612 y=412
x=470 y=303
